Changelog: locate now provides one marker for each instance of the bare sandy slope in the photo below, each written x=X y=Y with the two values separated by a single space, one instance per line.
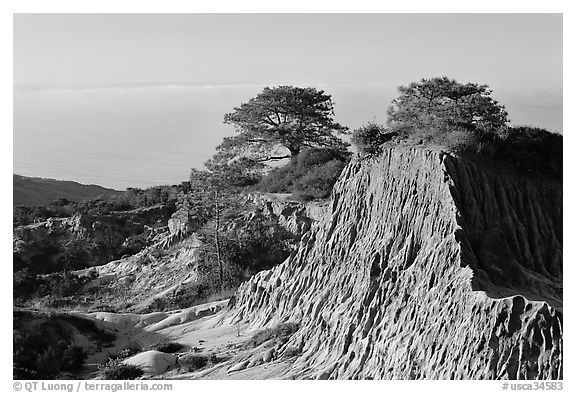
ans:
x=206 y=329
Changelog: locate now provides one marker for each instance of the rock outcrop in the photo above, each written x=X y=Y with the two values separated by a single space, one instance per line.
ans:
x=294 y=216
x=173 y=272
x=149 y=280
x=425 y=265
x=86 y=240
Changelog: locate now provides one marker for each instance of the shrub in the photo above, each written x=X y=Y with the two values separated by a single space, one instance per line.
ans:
x=25 y=283
x=529 y=150
x=369 y=139
x=192 y=362
x=45 y=354
x=73 y=359
x=24 y=215
x=309 y=175
x=458 y=141
x=248 y=244
x=115 y=369
x=256 y=244
x=532 y=150
x=318 y=182
x=130 y=350
x=167 y=347
x=60 y=284
x=60 y=357
x=130 y=199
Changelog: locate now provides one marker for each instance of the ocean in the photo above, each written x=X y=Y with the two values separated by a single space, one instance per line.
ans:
x=140 y=136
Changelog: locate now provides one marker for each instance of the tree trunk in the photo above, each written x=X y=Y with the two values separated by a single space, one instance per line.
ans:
x=217 y=240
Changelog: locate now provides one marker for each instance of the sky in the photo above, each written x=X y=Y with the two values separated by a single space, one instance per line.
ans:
x=127 y=100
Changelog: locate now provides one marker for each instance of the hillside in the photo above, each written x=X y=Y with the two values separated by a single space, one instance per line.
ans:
x=424 y=265
x=141 y=260
x=34 y=191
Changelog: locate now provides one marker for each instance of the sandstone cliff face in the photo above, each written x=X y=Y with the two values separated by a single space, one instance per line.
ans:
x=149 y=279
x=294 y=216
x=173 y=272
x=425 y=265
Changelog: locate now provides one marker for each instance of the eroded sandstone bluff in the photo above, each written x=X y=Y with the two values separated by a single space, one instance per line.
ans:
x=425 y=265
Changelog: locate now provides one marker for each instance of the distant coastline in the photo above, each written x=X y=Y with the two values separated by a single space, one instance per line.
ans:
x=37 y=191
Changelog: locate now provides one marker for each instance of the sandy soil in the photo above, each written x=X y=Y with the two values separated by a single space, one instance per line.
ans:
x=205 y=330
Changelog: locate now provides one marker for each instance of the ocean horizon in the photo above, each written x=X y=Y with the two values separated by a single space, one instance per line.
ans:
x=142 y=136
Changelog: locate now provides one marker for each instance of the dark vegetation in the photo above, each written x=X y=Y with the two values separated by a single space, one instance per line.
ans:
x=131 y=199
x=167 y=347
x=86 y=239
x=106 y=228
x=114 y=369
x=192 y=362
x=462 y=118
x=237 y=245
x=245 y=247
x=34 y=191
x=128 y=351
x=61 y=284
x=103 y=229
x=531 y=150
x=309 y=175
x=58 y=208
x=369 y=139
x=37 y=356
x=44 y=346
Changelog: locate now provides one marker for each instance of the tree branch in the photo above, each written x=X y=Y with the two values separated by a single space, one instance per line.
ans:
x=256 y=140
x=271 y=122
x=272 y=158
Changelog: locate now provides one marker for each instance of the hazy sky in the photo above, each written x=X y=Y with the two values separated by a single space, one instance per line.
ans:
x=137 y=99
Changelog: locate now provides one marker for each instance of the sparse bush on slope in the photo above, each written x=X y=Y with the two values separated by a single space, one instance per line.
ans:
x=167 y=347
x=309 y=175
x=192 y=361
x=369 y=139
x=530 y=150
x=114 y=369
